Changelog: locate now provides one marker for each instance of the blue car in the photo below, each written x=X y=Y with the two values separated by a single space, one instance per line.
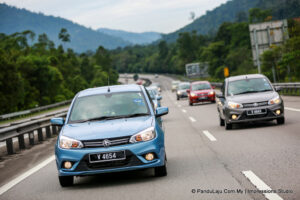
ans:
x=110 y=129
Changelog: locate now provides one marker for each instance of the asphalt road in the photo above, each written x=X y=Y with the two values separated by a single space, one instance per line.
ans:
x=202 y=158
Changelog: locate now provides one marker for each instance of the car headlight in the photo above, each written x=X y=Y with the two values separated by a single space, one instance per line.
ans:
x=178 y=92
x=69 y=143
x=275 y=100
x=211 y=93
x=234 y=105
x=143 y=136
x=193 y=94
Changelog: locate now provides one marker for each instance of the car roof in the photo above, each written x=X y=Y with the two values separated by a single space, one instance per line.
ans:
x=241 y=77
x=199 y=82
x=184 y=83
x=110 y=89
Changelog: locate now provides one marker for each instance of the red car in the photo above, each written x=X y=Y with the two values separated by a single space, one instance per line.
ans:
x=201 y=91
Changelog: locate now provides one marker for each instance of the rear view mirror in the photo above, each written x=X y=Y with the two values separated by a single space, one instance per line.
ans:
x=188 y=90
x=220 y=96
x=160 y=111
x=58 y=121
x=278 y=89
x=159 y=98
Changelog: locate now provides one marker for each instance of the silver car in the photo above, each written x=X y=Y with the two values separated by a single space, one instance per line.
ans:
x=249 y=98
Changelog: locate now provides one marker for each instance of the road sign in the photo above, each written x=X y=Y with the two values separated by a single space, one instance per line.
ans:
x=226 y=72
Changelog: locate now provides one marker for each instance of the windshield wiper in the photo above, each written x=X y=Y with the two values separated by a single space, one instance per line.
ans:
x=247 y=92
x=266 y=90
x=98 y=119
x=135 y=115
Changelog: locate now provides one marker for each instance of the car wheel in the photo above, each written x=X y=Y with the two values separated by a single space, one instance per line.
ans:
x=66 y=181
x=161 y=171
x=280 y=120
x=178 y=98
x=227 y=126
x=213 y=101
x=190 y=103
x=222 y=123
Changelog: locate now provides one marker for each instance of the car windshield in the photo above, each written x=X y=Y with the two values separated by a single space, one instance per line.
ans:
x=175 y=83
x=108 y=106
x=183 y=86
x=152 y=93
x=248 y=86
x=201 y=86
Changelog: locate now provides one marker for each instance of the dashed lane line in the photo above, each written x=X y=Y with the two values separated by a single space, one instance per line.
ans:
x=262 y=186
x=183 y=110
x=209 y=135
x=292 y=109
x=23 y=176
x=192 y=119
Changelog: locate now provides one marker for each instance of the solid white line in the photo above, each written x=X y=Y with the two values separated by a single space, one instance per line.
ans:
x=23 y=176
x=183 y=110
x=209 y=135
x=292 y=109
x=259 y=184
x=192 y=119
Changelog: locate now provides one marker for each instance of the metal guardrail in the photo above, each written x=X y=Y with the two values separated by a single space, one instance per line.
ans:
x=34 y=110
x=19 y=130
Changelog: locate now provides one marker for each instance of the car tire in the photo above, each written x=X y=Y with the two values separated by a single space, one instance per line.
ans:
x=227 y=126
x=178 y=98
x=222 y=123
x=190 y=103
x=280 y=120
x=213 y=101
x=66 y=181
x=161 y=171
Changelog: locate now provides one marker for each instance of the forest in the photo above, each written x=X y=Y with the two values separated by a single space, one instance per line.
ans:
x=229 y=47
x=36 y=74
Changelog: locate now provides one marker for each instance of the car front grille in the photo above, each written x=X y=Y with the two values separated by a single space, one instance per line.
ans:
x=202 y=94
x=256 y=104
x=106 y=142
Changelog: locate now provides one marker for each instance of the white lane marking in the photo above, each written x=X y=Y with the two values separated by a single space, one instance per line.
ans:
x=260 y=185
x=183 y=110
x=23 y=176
x=209 y=135
x=292 y=109
x=192 y=119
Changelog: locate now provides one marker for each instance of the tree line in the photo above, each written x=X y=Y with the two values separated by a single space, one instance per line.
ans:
x=35 y=73
x=229 y=47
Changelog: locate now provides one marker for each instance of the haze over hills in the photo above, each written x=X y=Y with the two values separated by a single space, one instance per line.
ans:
x=236 y=10
x=82 y=39
x=134 y=38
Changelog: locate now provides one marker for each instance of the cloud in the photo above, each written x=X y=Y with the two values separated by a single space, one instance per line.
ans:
x=132 y=15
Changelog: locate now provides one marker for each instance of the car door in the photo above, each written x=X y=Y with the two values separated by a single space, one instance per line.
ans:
x=222 y=101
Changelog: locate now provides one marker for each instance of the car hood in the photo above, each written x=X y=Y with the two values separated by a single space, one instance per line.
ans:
x=181 y=91
x=202 y=91
x=107 y=128
x=252 y=97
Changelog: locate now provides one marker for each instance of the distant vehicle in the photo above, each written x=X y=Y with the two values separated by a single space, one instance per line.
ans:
x=156 y=75
x=249 y=98
x=110 y=129
x=182 y=90
x=139 y=82
x=201 y=91
x=156 y=98
x=157 y=85
x=175 y=85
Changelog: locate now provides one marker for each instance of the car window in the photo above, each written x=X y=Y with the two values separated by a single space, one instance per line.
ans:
x=112 y=105
x=248 y=86
x=201 y=86
x=183 y=86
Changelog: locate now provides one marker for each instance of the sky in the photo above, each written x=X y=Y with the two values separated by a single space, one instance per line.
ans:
x=162 y=16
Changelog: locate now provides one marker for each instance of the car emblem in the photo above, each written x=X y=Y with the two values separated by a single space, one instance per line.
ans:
x=106 y=143
x=255 y=104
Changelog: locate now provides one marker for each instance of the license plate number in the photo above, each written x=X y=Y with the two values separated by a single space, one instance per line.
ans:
x=108 y=156
x=256 y=112
x=202 y=98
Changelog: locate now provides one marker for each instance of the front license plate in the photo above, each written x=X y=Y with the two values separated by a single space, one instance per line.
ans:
x=202 y=98
x=107 y=156
x=256 y=112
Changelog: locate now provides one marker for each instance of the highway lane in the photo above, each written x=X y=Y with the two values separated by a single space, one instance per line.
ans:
x=194 y=161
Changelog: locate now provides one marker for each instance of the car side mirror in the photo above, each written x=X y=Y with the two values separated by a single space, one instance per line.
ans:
x=160 y=111
x=220 y=96
x=188 y=91
x=278 y=89
x=58 y=121
x=159 y=98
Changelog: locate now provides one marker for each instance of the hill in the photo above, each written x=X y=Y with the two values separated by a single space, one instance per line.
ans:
x=14 y=20
x=134 y=38
x=236 y=10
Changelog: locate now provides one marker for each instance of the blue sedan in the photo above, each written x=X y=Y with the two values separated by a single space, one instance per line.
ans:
x=110 y=129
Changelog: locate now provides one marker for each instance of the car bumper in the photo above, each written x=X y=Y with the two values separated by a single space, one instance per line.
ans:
x=243 y=117
x=202 y=99
x=134 y=159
